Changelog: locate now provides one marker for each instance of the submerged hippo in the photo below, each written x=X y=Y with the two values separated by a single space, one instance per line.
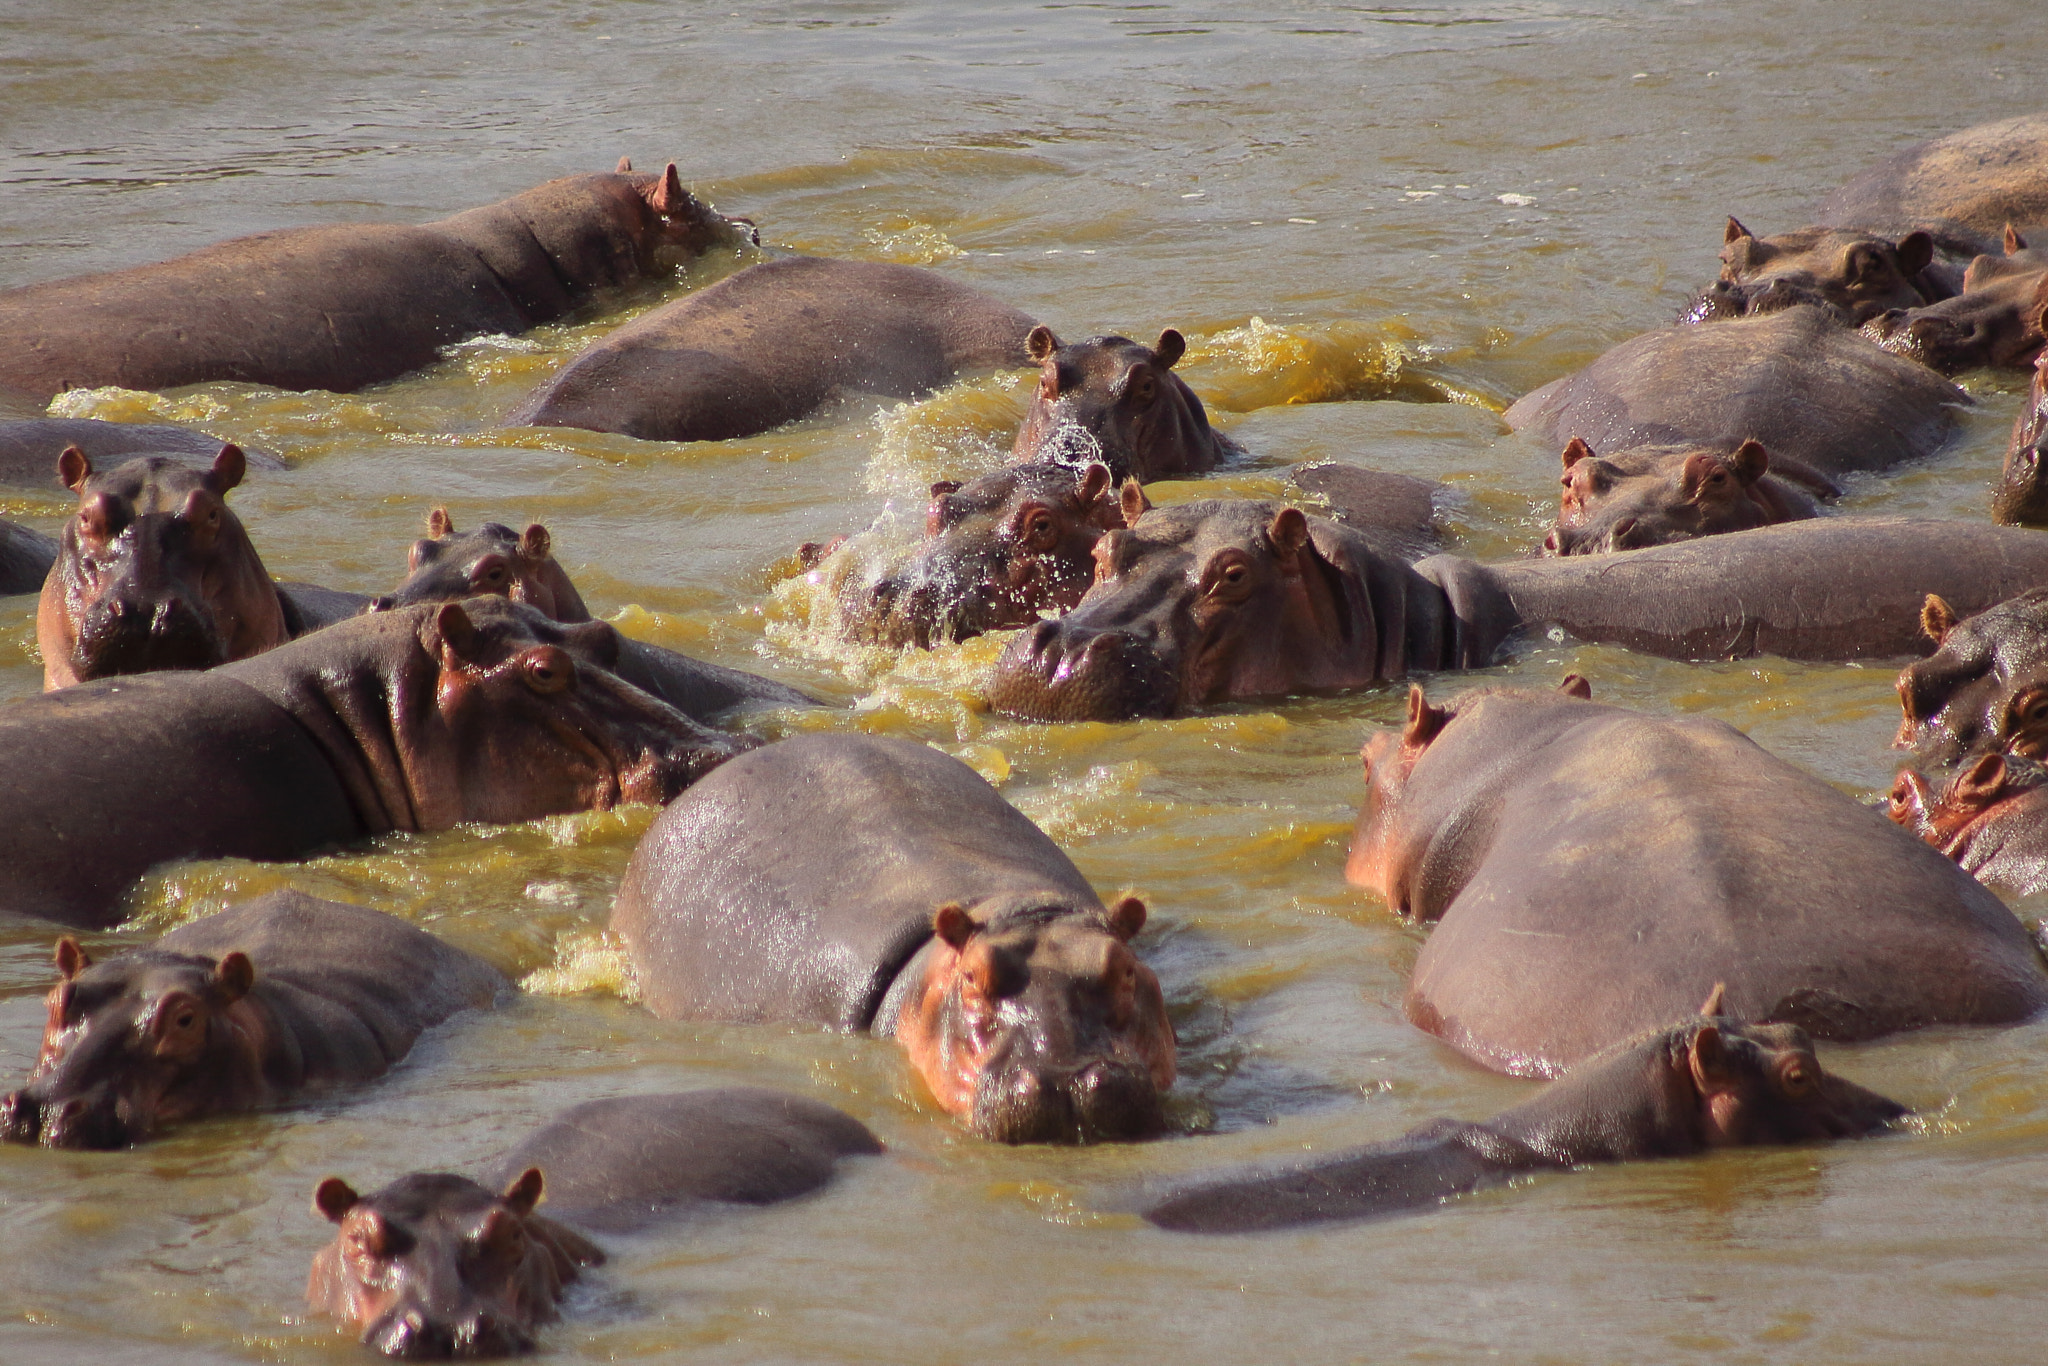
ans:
x=346 y=305
x=1118 y=401
x=235 y=1011
x=2021 y=498
x=1996 y=321
x=434 y=1266
x=1653 y=495
x=1591 y=869
x=25 y=558
x=1992 y=819
x=411 y=720
x=1810 y=390
x=1985 y=687
x=1963 y=188
x=878 y=885
x=154 y=571
x=29 y=450
x=1709 y=1083
x=1853 y=275
x=776 y=342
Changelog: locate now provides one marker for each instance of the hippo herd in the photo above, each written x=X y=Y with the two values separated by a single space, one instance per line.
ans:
x=1655 y=916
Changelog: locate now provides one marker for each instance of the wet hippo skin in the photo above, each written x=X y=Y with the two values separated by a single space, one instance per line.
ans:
x=1991 y=818
x=1117 y=401
x=1995 y=322
x=1963 y=188
x=25 y=558
x=1591 y=869
x=1985 y=687
x=29 y=449
x=1654 y=495
x=1852 y=275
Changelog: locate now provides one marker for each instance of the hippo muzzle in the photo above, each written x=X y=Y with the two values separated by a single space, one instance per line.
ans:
x=93 y=1122
x=1070 y=670
x=410 y=1333
x=129 y=635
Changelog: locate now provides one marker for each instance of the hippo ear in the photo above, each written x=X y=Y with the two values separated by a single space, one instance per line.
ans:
x=1937 y=618
x=233 y=977
x=2014 y=243
x=526 y=1191
x=334 y=1198
x=1288 y=532
x=535 y=543
x=1094 y=483
x=228 y=468
x=70 y=958
x=1424 y=721
x=1916 y=253
x=944 y=487
x=1576 y=450
x=1126 y=918
x=1716 y=1002
x=668 y=194
x=1040 y=342
x=952 y=924
x=74 y=467
x=1750 y=461
x=1575 y=685
x=1710 y=1070
x=458 y=632
x=1133 y=501
x=1980 y=783
x=1170 y=348
x=440 y=524
x=1734 y=232
x=600 y=641
x=625 y=166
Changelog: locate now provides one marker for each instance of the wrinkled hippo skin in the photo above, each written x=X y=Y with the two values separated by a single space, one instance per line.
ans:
x=1995 y=322
x=29 y=450
x=1992 y=819
x=346 y=305
x=25 y=558
x=411 y=720
x=1654 y=495
x=1118 y=401
x=1709 y=1083
x=1854 y=276
x=1810 y=390
x=870 y=884
x=2021 y=498
x=235 y=1011
x=1985 y=687
x=1963 y=188
x=1591 y=869
x=775 y=343
x=154 y=571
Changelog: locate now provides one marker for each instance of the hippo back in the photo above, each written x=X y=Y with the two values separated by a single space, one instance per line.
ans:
x=796 y=881
x=25 y=559
x=1964 y=188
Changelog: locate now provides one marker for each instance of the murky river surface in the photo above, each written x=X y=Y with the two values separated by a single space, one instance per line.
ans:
x=1355 y=213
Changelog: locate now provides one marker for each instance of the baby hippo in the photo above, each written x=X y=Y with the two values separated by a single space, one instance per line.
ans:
x=1653 y=495
x=493 y=559
x=1992 y=819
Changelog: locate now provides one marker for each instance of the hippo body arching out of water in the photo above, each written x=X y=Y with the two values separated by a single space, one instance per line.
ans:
x=1963 y=189
x=29 y=450
x=346 y=305
x=879 y=885
x=25 y=559
x=235 y=1011
x=775 y=343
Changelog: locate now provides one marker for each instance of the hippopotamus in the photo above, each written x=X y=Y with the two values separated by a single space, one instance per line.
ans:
x=405 y=1271
x=1992 y=819
x=1962 y=189
x=776 y=342
x=1809 y=389
x=1852 y=276
x=1118 y=401
x=154 y=571
x=1711 y=1082
x=241 y=1010
x=344 y=305
x=414 y=720
x=25 y=558
x=878 y=885
x=29 y=450
x=1396 y=513
x=1985 y=687
x=1995 y=322
x=448 y=566
x=1653 y=495
x=2021 y=498
x=1592 y=868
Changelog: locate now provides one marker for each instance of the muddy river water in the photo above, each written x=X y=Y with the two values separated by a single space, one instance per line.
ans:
x=1376 y=225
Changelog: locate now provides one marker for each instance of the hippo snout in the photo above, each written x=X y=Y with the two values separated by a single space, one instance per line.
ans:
x=410 y=1334
x=21 y=1118
x=1053 y=672
x=77 y=1122
x=121 y=636
x=1103 y=1100
x=660 y=777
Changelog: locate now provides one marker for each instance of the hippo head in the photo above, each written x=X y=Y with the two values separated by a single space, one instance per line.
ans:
x=1855 y=274
x=1985 y=687
x=154 y=572
x=436 y=1267
x=143 y=1040
x=1117 y=401
x=1975 y=797
x=1760 y=1084
x=1036 y=1023
x=1654 y=495
x=998 y=553
x=681 y=225
x=2021 y=498
x=494 y=560
x=1996 y=321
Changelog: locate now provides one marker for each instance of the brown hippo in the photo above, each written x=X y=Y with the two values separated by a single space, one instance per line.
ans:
x=776 y=342
x=1396 y=513
x=154 y=571
x=1853 y=276
x=1810 y=390
x=25 y=558
x=236 y=1011
x=1992 y=819
x=1985 y=687
x=1653 y=495
x=1709 y=1083
x=411 y=720
x=29 y=450
x=1591 y=869
x=346 y=305
x=2021 y=498
x=1963 y=188
x=1118 y=401
x=1996 y=321
x=878 y=885
x=435 y=1266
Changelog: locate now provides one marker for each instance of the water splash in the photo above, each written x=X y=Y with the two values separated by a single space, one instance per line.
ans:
x=910 y=242
x=962 y=431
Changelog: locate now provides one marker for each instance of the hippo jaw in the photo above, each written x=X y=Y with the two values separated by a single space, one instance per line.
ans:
x=1054 y=672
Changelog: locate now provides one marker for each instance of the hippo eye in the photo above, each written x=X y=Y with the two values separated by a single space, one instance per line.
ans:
x=1795 y=1078
x=547 y=669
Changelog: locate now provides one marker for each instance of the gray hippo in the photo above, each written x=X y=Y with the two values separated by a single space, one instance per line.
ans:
x=879 y=885
x=1985 y=687
x=775 y=343
x=236 y=1011
x=1991 y=818
x=1590 y=869
x=412 y=720
x=1654 y=495
x=1995 y=322
x=29 y=450
x=1117 y=401
x=1712 y=1082
x=25 y=558
x=346 y=305
x=435 y=1266
x=1963 y=189
x=1852 y=276
x=2021 y=498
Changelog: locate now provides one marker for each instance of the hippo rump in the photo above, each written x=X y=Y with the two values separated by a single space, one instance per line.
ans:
x=402 y=1269
x=345 y=305
x=1712 y=1082
x=1591 y=869
x=29 y=450
x=775 y=343
x=25 y=558
x=871 y=884
x=1850 y=275
x=1963 y=188
x=2021 y=498
x=1810 y=390
x=1654 y=495
x=1996 y=321
x=413 y=720
x=1118 y=401
x=235 y=1011
x=1992 y=819
x=1985 y=687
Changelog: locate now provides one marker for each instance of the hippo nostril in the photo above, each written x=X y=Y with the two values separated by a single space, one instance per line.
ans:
x=1553 y=544
x=1043 y=635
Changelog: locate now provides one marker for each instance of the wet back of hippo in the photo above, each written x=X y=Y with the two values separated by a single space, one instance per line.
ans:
x=796 y=881
x=1964 y=188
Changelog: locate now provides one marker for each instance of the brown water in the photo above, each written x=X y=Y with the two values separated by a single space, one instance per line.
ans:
x=1372 y=204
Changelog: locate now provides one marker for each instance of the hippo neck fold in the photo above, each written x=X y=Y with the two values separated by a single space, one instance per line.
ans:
x=899 y=981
